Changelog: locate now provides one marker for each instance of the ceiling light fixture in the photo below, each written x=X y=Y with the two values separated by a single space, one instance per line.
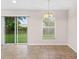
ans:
x=13 y=1
x=49 y=14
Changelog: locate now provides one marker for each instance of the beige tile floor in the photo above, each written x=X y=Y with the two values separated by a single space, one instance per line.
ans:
x=37 y=52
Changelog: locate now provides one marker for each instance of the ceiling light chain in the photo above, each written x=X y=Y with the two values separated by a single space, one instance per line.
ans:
x=49 y=15
x=48 y=6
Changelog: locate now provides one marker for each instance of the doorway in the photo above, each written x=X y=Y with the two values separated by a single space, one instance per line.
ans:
x=16 y=29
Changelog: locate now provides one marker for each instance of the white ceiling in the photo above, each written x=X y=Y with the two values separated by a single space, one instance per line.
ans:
x=37 y=4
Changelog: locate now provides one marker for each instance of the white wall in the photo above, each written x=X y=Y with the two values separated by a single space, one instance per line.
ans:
x=72 y=29
x=35 y=26
x=2 y=30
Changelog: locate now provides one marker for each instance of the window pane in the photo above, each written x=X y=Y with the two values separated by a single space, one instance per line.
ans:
x=48 y=33
x=22 y=29
x=49 y=28
x=47 y=22
x=9 y=29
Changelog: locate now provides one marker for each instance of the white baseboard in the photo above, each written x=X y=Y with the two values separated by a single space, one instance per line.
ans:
x=72 y=48
x=47 y=44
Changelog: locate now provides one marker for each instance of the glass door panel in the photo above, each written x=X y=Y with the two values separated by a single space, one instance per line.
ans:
x=9 y=29
x=22 y=29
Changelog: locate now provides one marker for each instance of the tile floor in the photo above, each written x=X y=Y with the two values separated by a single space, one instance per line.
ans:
x=37 y=52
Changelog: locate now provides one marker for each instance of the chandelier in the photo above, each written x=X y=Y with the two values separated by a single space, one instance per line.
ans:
x=49 y=14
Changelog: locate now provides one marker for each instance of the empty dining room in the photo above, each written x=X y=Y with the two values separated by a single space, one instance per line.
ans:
x=38 y=29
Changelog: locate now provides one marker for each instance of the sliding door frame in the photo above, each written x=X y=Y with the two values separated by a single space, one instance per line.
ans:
x=15 y=30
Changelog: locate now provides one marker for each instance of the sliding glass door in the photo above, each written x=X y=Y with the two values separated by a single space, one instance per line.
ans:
x=16 y=29
x=22 y=29
x=9 y=29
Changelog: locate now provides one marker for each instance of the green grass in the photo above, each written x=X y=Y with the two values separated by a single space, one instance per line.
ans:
x=22 y=38
x=9 y=38
x=48 y=36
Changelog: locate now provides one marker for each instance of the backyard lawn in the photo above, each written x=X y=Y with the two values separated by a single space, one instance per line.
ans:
x=22 y=38
x=48 y=36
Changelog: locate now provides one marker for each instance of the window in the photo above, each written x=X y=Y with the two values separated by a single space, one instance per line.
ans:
x=16 y=29
x=49 y=30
